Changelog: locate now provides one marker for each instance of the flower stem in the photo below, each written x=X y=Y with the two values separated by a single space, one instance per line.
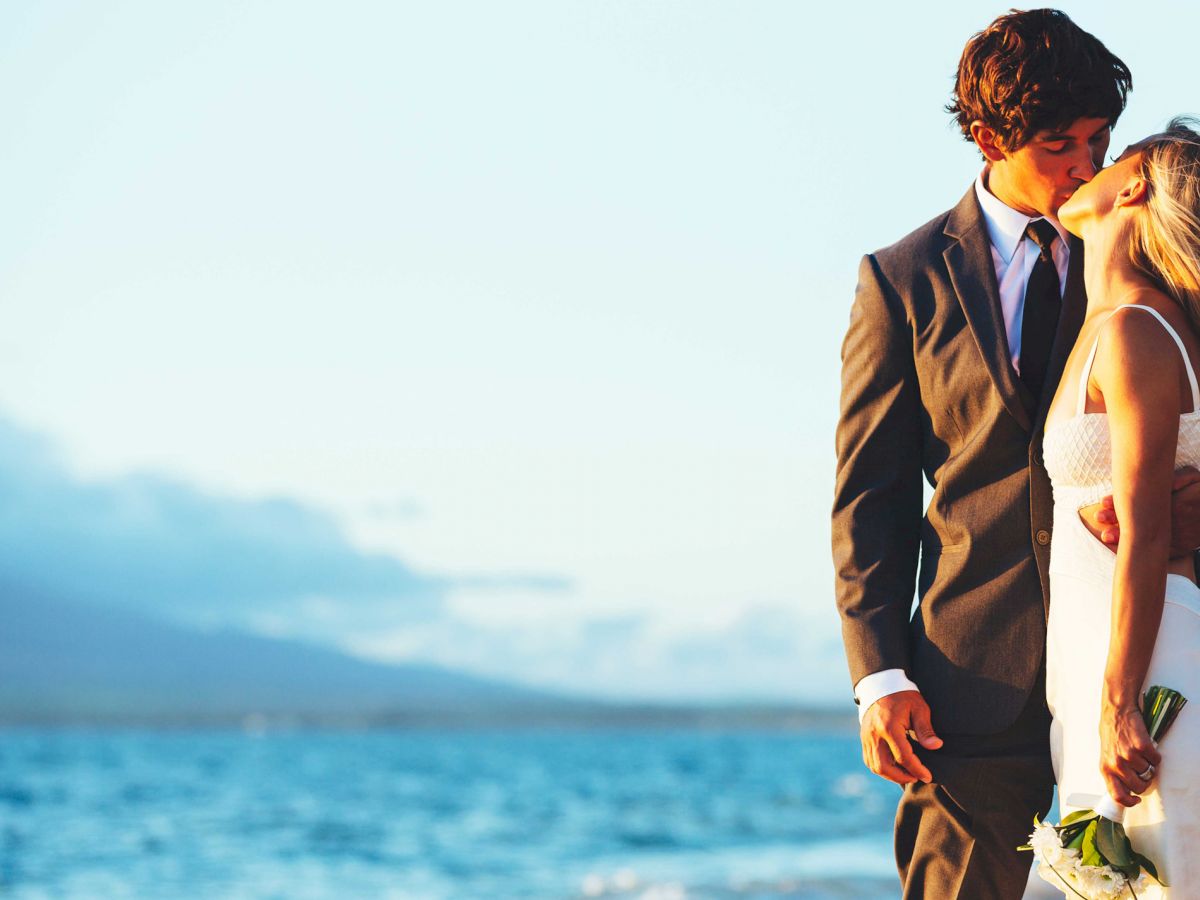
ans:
x=1067 y=883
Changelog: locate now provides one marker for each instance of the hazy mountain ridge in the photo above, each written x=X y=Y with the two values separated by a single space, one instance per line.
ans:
x=72 y=660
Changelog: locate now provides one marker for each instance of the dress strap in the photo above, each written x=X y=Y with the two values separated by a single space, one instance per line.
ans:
x=1081 y=403
x=1187 y=363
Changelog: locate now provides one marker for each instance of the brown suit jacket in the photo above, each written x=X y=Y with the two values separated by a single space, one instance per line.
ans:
x=928 y=391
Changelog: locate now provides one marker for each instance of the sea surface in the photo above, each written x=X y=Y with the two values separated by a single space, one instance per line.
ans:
x=650 y=814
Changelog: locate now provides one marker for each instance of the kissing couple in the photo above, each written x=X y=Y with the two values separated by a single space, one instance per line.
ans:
x=1032 y=355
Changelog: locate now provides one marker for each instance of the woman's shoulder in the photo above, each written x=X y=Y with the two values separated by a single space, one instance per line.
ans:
x=1148 y=340
x=1148 y=320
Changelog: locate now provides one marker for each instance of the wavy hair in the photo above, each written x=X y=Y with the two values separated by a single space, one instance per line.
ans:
x=1034 y=70
x=1165 y=241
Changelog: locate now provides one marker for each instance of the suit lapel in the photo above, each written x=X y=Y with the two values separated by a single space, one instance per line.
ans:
x=969 y=261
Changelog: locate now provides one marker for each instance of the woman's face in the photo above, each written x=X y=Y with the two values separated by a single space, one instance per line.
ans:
x=1097 y=200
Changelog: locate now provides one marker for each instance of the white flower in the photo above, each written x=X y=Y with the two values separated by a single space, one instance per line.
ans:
x=1044 y=841
x=1056 y=864
x=1093 y=882
x=1101 y=882
x=1048 y=847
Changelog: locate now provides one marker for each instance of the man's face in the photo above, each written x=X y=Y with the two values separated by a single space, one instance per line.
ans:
x=1044 y=173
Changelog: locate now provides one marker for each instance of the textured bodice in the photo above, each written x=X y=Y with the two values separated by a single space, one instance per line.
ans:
x=1078 y=456
x=1078 y=451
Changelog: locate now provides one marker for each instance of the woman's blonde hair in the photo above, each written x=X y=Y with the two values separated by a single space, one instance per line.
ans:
x=1165 y=243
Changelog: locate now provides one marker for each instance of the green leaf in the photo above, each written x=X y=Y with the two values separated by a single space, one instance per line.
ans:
x=1089 y=851
x=1113 y=843
x=1130 y=871
x=1025 y=847
x=1077 y=837
x=1160 y=706
x=1080 y=815
x=1149 y=867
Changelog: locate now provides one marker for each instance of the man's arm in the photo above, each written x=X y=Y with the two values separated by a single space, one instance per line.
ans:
x=877 y=497
x=1101 y=518
x=876 y=525
x=878 y=685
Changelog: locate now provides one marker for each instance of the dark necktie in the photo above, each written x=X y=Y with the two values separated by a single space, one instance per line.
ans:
x=1043 y=302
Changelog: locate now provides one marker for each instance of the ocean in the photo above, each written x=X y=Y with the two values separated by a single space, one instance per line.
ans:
x=648 y=814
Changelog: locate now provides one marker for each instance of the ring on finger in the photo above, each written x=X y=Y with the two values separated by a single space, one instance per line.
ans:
x=1148 y=773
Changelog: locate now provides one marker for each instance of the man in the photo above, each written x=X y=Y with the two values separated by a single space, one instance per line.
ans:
x=957 y=339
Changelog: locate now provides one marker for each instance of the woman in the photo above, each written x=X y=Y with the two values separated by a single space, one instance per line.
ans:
x=1125 y=418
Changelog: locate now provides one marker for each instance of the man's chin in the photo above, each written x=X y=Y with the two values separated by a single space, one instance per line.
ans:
x=1058 y=203
x=1068 y=192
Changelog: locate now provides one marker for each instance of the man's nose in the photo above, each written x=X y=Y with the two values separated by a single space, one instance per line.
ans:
x=1086 y=166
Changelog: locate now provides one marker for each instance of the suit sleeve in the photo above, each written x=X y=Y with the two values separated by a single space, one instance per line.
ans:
x=877 y=497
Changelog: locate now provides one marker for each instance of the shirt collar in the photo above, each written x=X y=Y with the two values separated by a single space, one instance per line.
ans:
x=1005 y=225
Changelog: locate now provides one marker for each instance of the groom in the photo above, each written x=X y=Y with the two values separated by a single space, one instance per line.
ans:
x=957 y=339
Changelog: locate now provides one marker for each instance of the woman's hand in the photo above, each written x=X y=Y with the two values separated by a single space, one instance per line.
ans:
x=1126 y=753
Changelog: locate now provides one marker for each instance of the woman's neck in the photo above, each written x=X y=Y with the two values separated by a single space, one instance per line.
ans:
x=1109 y=275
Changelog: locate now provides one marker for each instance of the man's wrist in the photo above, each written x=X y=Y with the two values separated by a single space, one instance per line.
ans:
x=872 y=687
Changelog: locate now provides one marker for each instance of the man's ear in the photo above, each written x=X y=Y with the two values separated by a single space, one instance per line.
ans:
x=1133 y=194
x=987 y=141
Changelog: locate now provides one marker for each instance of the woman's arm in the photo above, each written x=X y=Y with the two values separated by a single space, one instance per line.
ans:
x=1138 y=370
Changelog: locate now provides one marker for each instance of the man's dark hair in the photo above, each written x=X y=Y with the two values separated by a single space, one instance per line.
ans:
x=1036 y=70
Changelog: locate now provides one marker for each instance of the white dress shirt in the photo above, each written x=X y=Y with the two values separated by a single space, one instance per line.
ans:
x=1014 y=259
x=1013 y=256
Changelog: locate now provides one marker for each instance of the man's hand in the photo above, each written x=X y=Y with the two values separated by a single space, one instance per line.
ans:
x=1185 y=512
x=885 y=733
x=1101 y=519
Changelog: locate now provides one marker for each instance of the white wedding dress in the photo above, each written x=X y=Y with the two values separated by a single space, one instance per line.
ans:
x=1165 y=826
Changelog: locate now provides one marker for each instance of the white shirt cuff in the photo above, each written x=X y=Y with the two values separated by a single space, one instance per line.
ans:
x=879 y=684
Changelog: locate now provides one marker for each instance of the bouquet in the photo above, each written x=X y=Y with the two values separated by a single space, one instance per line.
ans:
x=1088 y=853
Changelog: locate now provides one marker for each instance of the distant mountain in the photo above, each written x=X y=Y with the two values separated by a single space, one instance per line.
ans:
x=70 y=661
x=64 y=662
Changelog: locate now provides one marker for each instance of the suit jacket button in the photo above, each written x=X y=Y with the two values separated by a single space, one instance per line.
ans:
x=1043 y=537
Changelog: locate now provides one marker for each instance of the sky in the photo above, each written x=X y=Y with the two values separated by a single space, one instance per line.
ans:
x=503 y=336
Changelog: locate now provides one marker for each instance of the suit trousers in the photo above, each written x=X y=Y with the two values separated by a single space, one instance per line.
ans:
x=957 y=836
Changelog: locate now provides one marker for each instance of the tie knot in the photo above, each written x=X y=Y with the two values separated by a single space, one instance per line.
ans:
x=1043 y=234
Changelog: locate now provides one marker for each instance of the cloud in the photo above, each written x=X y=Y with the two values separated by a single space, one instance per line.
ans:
x=148 y=543
x=402 y=509
x=279 y=567
x=769 y=652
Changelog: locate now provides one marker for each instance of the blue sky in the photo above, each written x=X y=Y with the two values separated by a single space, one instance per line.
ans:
x=534 y=307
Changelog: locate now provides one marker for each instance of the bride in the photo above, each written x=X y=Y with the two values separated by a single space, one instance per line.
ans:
x=1126 y=416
